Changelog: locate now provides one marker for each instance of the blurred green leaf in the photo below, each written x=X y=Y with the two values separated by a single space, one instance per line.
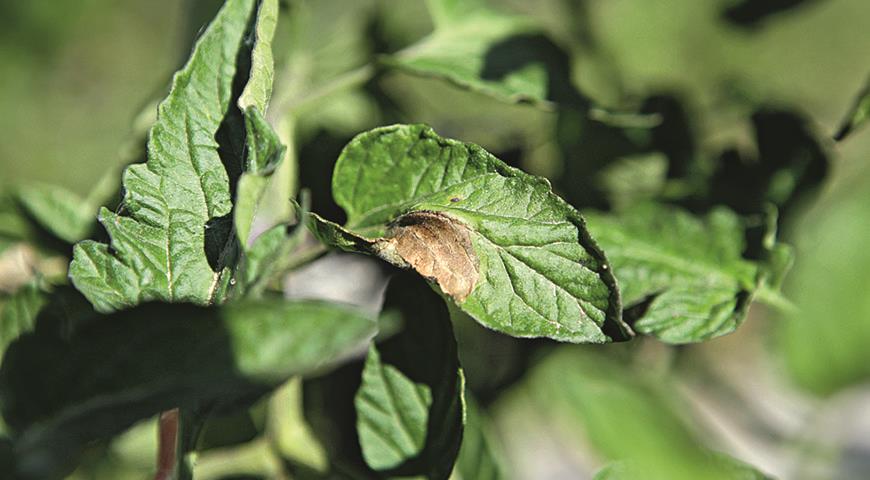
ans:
x=123 y=367
x=410 y=405
x=63 y=213
x=14 y=226
x=25 y=247
x=18 y=313
x=751 y=13
x=728 y=467
x=688 y=48
x=490 y=360
x=291 y=435
x=468 y=49
x=685 y=273
x=507 y=250
x=179 y=198
x=454 y=12
x=634 y=178
x=829 y=282
x=856 y=117
x=793 y=160
x=589 y=148
x=624 y=414
x=478 y=457
x=328 y=54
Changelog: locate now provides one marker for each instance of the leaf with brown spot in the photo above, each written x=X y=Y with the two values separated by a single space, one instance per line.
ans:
x=498 y=241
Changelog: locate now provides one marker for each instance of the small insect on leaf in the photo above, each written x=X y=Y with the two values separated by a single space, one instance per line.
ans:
x=438 y=247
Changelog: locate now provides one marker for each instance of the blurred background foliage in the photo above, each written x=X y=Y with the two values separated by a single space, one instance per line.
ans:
x=697 y=102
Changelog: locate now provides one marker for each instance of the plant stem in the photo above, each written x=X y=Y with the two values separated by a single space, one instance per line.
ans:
x=167 y=444
x=177 y=432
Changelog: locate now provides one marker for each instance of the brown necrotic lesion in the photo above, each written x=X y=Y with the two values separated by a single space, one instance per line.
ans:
x=438 y=247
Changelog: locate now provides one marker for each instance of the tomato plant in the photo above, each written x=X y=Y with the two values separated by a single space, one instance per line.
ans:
x=295 y=276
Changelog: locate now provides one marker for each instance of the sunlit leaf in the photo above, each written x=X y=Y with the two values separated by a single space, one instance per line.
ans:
x=498 y=241
x=176 y=242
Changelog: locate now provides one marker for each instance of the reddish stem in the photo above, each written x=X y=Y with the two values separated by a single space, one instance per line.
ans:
x=167 y=444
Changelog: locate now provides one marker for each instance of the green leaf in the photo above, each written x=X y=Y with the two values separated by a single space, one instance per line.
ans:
x=264 y=150
x=258 y=90
x=265 y=154
x=63 y=213
x=451 y=12
x=410 y=406
x=823 y=343
x=267 y=257
x=469 y=49
x=633 y=179
x=14 y=226
x=624 y=414
x=393 y=413
x=775 y=260
x=291 y=435
x=175 y=244
x=337 y=236
x=478 y=458
x=313 y=89
x=857 y=116
x=689 y=269
x=18 y=313
x=122 y=367
x=730 y=469
x=507 y=250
